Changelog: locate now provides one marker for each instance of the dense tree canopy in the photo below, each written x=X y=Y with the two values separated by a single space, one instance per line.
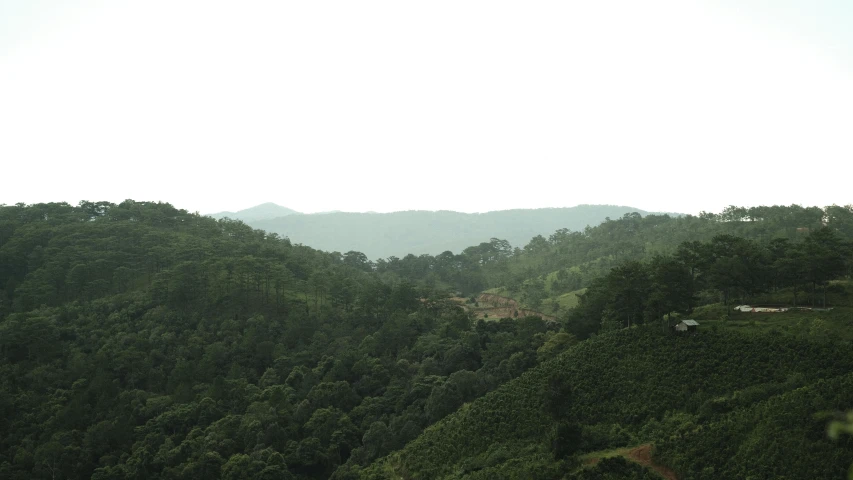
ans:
x=141 y=341
x=138 y=340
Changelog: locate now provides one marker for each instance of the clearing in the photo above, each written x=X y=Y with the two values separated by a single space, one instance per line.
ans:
x=641 y=455
x=497 y=306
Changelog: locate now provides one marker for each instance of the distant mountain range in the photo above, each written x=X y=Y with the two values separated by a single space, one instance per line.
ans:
x=381 y=235
x=264 y=211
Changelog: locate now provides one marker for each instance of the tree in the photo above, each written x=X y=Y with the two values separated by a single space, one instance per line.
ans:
x=840 y=219
x=534 y=293
x=628 y=285
x=556 y=403
x=358 y=261
x=825 y=259
x=735 y=266
x=50 y=458
x=537 y=245
x=375 y=442
x=671 y=288
x=839 y=427
x=789 y=266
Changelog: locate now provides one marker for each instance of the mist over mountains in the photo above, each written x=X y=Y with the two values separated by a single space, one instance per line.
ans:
x=263 y=211
x=381 y=235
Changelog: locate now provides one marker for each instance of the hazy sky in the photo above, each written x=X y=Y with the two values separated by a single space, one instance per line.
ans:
x=672 y=105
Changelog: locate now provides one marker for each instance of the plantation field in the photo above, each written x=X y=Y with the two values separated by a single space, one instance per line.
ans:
x=835 y=324
x=723 y=396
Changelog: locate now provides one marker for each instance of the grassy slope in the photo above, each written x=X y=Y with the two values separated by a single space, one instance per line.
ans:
x=502 y=291
x=834 y=324
x=630 y=387
x=566 y=300
x=570 y=299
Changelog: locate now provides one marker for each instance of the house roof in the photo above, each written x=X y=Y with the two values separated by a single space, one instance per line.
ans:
x=692 y=323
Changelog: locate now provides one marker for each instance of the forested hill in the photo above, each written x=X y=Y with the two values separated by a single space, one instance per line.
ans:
x=550 y=271
x=141 y=341
x=383 y=235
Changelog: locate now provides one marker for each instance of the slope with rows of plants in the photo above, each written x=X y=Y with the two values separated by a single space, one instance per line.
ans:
x=635 y=386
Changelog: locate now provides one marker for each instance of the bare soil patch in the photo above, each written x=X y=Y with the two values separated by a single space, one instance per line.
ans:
x=643 y=456
x=497 y=306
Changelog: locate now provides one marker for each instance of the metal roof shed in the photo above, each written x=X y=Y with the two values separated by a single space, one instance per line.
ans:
x=687 y=326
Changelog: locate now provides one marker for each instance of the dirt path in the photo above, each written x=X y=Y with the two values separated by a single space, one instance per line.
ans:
x=497 y=306
x=641 y=455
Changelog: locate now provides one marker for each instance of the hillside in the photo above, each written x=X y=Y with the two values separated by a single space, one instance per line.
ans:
x=551 y=272
x=382 y=235
x=763 y=394
x=141 y=341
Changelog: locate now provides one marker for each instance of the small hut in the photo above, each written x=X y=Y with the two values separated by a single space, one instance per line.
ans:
x=687 y=326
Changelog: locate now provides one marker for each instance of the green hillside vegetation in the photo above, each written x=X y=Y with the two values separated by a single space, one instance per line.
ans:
x=570 y=300
x=736 y=436
x=141 y=341
x=397 y=234
x=683 y=393
x=728 y=269
x=616 y=468
x=566 y=260
x=703 y=278
x=836 y=324
x=548 y=274
x=138 y=340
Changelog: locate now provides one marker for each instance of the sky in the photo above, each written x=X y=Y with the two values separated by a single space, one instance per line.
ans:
x=663 y=105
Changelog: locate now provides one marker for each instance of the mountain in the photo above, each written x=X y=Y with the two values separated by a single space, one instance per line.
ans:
x=264 y=211
x=381 y=235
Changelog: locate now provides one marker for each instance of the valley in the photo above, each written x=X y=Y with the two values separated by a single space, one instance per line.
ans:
x=564 y=240
x=138 y=340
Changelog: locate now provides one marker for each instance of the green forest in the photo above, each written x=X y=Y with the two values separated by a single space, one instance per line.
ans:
x=142 y=341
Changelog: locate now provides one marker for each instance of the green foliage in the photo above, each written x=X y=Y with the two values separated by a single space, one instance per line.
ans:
x=647 y=386
x=573 y=260
x=734 y=267
x=142 y=341
x=615 y=468
x=838 y=427
x=782 y=436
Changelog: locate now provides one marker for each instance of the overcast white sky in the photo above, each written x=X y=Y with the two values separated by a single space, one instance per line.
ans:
x=669 y=105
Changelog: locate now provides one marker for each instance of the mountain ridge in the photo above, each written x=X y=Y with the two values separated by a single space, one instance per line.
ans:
x=258 y=212
x=383 y=235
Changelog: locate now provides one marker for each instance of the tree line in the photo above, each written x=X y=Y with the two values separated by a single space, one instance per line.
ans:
x=727 y=269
